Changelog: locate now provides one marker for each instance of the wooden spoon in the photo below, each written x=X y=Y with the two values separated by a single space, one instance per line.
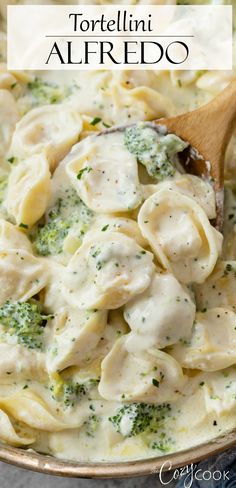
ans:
x=208 y=130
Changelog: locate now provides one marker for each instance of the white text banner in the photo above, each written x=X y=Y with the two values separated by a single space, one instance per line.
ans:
x=163 y=37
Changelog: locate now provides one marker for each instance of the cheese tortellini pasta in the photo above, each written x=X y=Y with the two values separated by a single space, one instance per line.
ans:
x=28 y=190
x=148 y=377
x=191 y=186
x=220 y=392
x=77 y=334
x=8 y=118
x=180 y=234
x=20 y=363
x=29 y=408
x=49 y=130
x=126 y=226
x=22 y=275
x=107 y=271
x=212 y=345
x=161 y=316
x=9 y=434
x=96 y=168
x=12 y=237
x=219 y=289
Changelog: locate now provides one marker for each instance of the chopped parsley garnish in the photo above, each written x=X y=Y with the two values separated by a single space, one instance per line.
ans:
x=228 y=269
x=12 y=160
x=23 y=226
x=105 y=228
x=87 y=169
x=95 y=121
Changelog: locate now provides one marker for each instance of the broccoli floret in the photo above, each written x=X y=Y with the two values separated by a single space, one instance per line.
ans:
x=163 y=444
x=49 y=238
x=153 y=150
x=68 y=212
x=44 y=92
x=70 y=393
x=134 y=418
x=91 y=425
x=25 y=321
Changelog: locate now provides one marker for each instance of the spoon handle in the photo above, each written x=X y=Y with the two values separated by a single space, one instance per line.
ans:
x=209 y=129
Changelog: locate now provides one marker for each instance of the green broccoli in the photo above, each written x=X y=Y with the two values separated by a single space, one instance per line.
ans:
x=49 y=238
x=163 y=444
x=68 y=212
x=134 y=418
x=91 y=425
x=72 y=392
x=44 y=92
x=25 y=321
x=69 y=393
x=155 y=151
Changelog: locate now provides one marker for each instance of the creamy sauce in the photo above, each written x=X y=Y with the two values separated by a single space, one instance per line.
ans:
x=117 y=295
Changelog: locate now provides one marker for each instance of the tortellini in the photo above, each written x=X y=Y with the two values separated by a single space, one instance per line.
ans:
x=49 y=129
x=214 y=81
x=21 y=275
x=18 y=363
x=11 y=237
x=116 y=327
x=54 y=300
x=161 y=316
x=9 y=435
x=180 y=234
x=107 y=271
x=151 y=377
x=117 y=101
x=213 y=343
x=77 y=333
x=105 y=174
x=193 y=409
x=191 y=186
x=29 y=408
x=8 y=119
x=112 y=223
x=7 y=80
x=219 y=289
x=28 y=190
x=183 y=78
x=220 y=392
